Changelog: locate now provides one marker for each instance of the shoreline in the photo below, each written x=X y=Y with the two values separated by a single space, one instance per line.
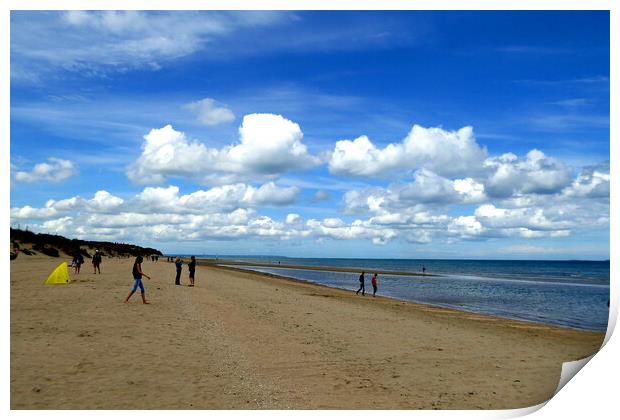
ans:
x=421 y=305
x=218 y=262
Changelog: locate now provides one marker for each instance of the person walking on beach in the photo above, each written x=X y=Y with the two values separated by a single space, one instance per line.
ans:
x=96 y=262
x=192 y=270
x=137 y=280
x=362 y=287
x=374 y=285
x=77 y=262
x=178 y=263
x=423 y=270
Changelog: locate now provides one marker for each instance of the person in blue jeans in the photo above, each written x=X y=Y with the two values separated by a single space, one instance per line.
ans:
x=178 y=263
x=137 y=277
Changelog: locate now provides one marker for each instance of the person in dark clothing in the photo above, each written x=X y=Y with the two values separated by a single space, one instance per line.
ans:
x=192 y=270
x=362 y=287
x=97 y=262
x=78 y=260
x=137 y=278
x=178 y=263
x=374 y=285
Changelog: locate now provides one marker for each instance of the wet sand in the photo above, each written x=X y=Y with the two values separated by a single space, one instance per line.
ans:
x=214 y=262
x=242 y=340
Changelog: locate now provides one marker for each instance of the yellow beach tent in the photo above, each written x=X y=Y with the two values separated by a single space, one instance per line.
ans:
x=59 y=276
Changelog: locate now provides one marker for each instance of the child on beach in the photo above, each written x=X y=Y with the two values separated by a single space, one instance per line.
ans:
x=77 y=262
x=192 y=270
x=374 y=285
x=137 y=277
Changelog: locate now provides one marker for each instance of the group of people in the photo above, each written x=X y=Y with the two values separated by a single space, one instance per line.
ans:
x=138 y=274
x=362 y=288
x=78 y=260
x=191 y=267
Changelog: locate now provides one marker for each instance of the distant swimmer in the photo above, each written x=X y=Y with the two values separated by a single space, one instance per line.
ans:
x=423 y=270
x=137 y=280
x=362 y=288
x=374 y=285
x=179 y=264
x=192 y=270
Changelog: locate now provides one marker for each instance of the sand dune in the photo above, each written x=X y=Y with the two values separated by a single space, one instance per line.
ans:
x=239 y=340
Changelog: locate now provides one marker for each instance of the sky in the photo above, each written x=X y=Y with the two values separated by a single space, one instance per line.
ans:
x=315 y=134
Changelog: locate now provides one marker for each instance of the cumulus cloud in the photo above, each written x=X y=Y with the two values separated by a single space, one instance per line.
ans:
x=269 y=145
x=54 y=170
x=102 y=202
x=465 y=227
x=210 y=112
x=592 y=182
x=427 y=190
x=163 y=202
x=452 y=191
x=270 y=194
x=530 y=218
x=447 y=153
x=216 y=199
x=537 y=174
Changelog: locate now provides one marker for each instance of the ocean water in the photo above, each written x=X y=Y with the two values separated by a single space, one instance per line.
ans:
x=565 y=293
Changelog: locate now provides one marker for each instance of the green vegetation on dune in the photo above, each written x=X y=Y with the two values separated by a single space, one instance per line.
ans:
x=52 y=244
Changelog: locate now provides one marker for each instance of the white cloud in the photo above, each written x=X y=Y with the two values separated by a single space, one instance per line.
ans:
x=592 y=182
x=469 y=191
x=61 y=226
x=163 y=204
x=209 y=112
x=103 y=201
x=527 y=249
x=427 y=190
x=100 y=42
x=214 y=200
x=536 y=174
x=447 y=153
x=293 y=218
x=30 y=213
x=54 y=170
x=269 y=146
x=530 y=218
x=465 y=227
x=270 y=194
x=428 y=187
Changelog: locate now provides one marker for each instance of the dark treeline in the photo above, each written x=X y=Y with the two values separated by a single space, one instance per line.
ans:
x=52 y=244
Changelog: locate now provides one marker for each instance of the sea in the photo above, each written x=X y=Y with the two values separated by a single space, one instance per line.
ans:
x=572 y=294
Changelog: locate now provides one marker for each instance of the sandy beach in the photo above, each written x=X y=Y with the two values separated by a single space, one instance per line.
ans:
x=242 y=340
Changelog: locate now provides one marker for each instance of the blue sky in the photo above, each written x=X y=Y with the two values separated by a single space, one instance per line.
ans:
x=292 y=133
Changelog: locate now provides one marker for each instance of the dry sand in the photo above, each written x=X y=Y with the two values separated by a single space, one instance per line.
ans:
x=240 y=341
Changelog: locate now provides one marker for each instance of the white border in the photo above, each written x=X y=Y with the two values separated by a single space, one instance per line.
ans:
x=592 y=394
